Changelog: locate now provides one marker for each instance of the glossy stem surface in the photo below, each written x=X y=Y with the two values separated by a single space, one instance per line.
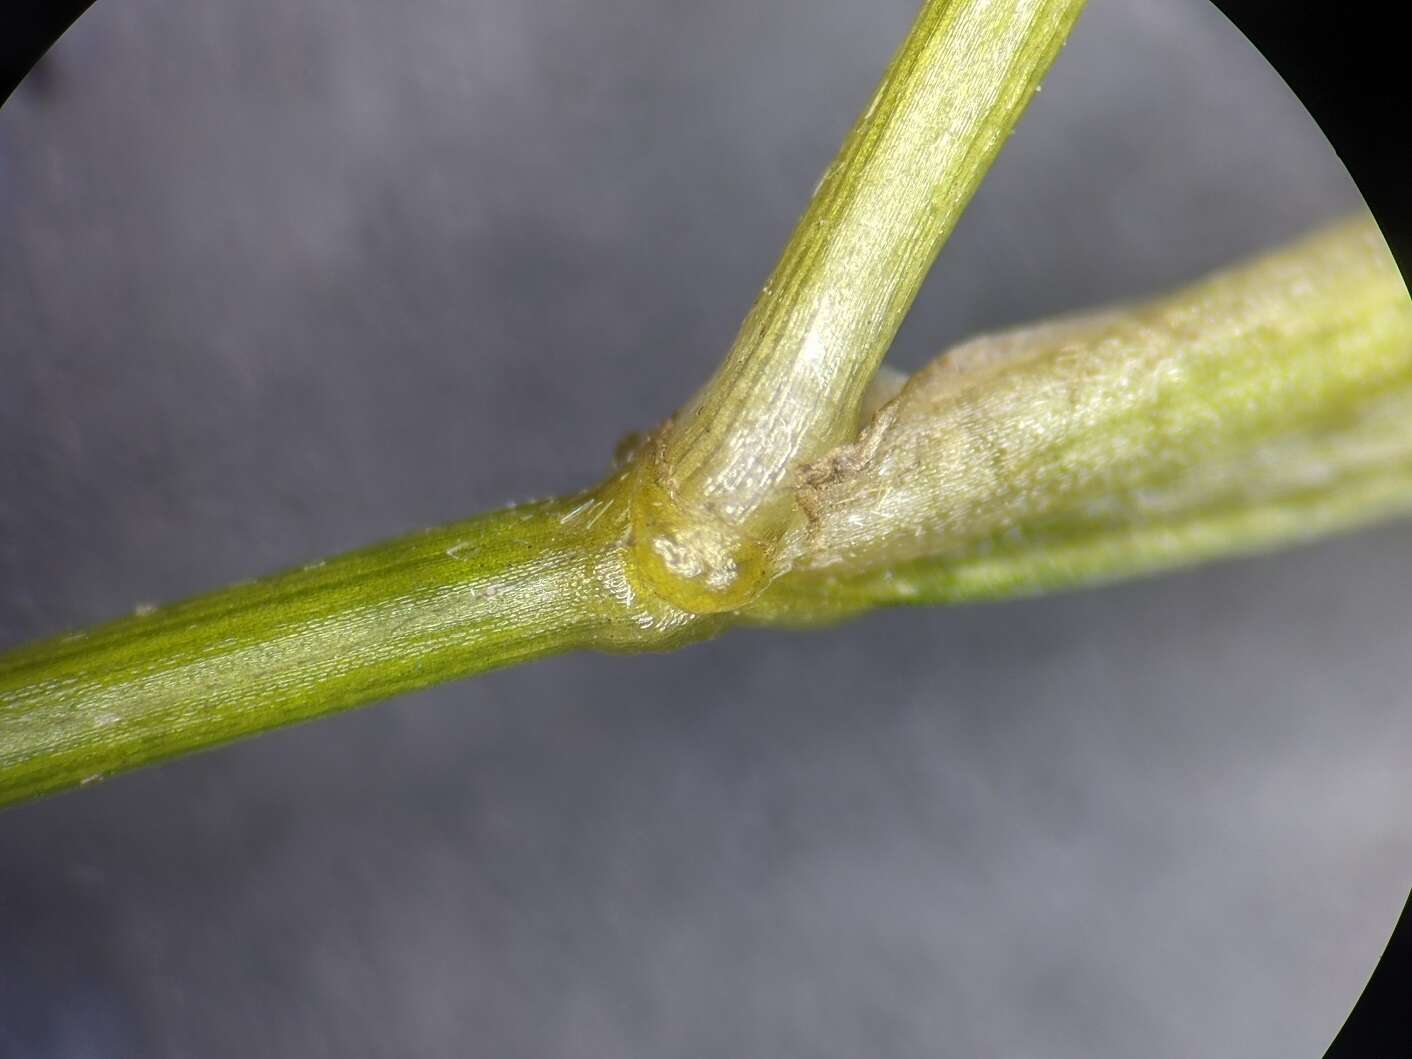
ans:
x=503 y=588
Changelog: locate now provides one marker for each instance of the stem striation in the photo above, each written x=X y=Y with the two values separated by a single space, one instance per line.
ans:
x=503 y=588
x=715 y=497
x=1266 y=405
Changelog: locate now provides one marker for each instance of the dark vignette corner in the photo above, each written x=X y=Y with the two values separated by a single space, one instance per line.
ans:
x=27 y=30
x=1346 y=65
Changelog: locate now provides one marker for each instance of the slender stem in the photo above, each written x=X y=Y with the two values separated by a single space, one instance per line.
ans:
x=716 y=496
x=496 y=590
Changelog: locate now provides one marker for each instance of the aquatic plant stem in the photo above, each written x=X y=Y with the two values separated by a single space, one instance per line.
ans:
x=995 y=472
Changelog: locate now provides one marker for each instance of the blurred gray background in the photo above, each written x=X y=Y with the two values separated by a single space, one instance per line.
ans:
x=281 y=277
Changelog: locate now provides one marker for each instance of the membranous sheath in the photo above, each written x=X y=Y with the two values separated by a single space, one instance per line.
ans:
x=1288 y=377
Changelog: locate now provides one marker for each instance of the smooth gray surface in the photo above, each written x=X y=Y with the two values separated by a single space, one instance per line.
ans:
x=280 y=277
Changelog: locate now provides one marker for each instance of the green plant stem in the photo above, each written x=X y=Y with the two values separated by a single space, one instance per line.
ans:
x=503 y=588
x=715 y=497
x=688 y=531
x=1266 y=405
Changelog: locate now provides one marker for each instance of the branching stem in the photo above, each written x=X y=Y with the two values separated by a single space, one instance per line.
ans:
x=714 y=500
x=1261 y=406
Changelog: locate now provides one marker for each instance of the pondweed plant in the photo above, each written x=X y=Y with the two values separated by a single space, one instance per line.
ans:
x=1267 y=404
